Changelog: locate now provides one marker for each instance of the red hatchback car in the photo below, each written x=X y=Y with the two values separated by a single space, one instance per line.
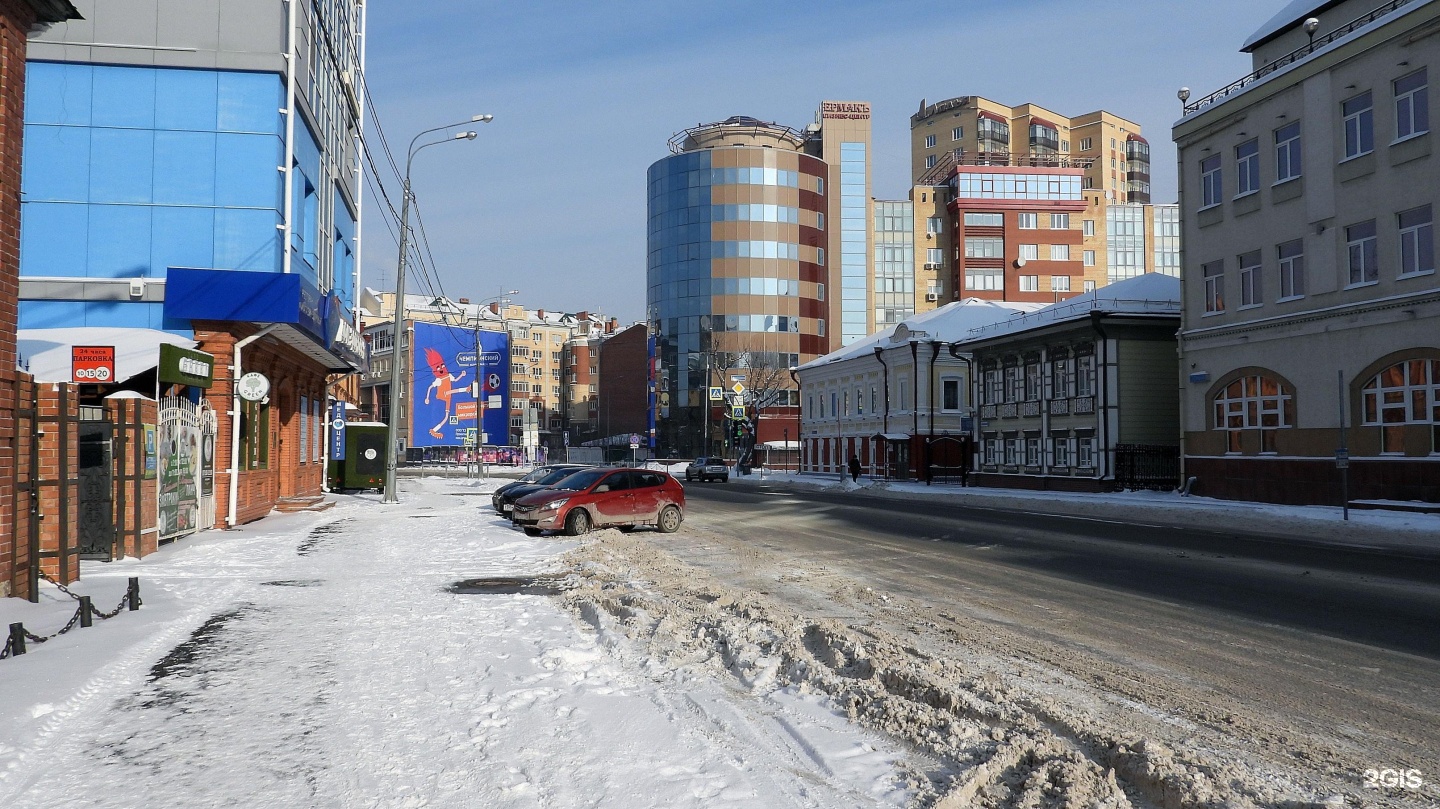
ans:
x=601 y=498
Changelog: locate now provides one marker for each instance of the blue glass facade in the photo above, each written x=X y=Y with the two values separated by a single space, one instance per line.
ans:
x=130 y=171
x=854 y=243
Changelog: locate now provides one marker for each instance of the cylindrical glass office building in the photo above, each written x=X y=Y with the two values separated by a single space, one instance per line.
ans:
x=736 y=267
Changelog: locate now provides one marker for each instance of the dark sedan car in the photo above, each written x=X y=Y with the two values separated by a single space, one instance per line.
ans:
x=600 y=498
x=540 y=477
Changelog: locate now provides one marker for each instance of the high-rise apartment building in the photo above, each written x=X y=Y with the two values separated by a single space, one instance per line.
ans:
x=759 y=248
x=1099 y=160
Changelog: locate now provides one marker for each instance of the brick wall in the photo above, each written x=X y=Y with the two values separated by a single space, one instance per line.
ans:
x=136 y=508
x=16 y=18
x=292 y=375
x=59 y=480
x=16 y=430
x=38 y=501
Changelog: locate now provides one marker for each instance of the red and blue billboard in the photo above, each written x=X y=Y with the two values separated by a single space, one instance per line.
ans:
x=446 y=364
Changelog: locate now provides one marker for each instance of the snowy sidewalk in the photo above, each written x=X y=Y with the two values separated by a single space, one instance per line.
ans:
x=323 y=660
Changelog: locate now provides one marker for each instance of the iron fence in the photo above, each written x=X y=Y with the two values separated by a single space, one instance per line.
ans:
x=1147 y=466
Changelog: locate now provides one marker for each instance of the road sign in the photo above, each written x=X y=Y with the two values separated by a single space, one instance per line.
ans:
x=634 y=441
x=1342 y=458
x=737 y=412
x=738 y=388
x=716 y=394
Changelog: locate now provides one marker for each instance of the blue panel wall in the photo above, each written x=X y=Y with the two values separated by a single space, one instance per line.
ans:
x=344 y=261
x=131 y=170
x=70 y=314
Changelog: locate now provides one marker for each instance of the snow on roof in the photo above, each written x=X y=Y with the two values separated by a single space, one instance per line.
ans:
x=1151 y=293
x=949 y=323
x=136 y=350
x=1294 y=12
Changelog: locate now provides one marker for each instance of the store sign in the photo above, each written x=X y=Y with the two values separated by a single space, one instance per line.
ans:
x=253 y=387
x=186 y=366
x=341 y=337
x=337 y=431
x=855 y=110
x=91 y=364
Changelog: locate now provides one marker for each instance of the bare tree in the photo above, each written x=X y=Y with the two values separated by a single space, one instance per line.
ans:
x=766 y=371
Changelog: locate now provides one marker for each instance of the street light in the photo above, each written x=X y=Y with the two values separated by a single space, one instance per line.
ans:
x=480 y=383
x=398 y=358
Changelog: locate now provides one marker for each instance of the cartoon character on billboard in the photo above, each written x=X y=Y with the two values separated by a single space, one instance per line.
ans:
x=442 y=387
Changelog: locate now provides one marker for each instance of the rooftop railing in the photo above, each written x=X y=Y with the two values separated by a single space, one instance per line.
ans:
x=1295 y=56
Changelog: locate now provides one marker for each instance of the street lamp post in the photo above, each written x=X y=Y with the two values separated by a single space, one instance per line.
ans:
x=397 y=359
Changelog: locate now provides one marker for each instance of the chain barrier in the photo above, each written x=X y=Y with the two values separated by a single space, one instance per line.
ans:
x=19 y=635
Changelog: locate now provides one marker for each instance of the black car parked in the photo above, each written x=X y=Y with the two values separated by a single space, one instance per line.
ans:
x=541 y=477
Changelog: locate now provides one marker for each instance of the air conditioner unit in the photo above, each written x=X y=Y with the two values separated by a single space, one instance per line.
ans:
x=932 y=296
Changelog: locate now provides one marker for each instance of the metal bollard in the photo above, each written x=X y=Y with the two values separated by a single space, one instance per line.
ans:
x=17 y=639
x=87 y=618
x=133 y=593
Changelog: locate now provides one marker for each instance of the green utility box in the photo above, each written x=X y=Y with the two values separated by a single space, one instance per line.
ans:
x=363 y=466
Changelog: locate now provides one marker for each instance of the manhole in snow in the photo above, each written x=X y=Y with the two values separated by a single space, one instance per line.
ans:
x=512 y=585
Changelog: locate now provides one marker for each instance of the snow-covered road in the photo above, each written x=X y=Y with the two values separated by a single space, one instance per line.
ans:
x=323 y=660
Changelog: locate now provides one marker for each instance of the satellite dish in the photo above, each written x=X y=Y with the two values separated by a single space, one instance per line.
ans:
x=1020 y=262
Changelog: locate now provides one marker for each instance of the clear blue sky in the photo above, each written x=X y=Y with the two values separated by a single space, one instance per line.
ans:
x=550 y=199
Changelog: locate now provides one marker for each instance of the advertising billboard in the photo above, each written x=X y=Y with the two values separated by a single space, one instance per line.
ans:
x=443 y=391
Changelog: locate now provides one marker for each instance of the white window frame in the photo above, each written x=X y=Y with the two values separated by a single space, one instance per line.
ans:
x=1059 y=221
x=1028 y=220
x=1417 y=242
x=1214 y=274
x=1412 y=106
x=1212 y=182
x=1029 y=283
x=1085 y=452
x=1247 y=168
x=1262 y=403
x=1059 y=283
x=1251 y=289
x=1407 y=392
x=958 y=133
x=1029 y=252
x=1292 y=270
x=930 y=160
x=1289 y=153
x=1059 y=252
x=1362 y=254
x=930 y=141
x=1088 y=257
x=1087 y=227
x=1359 y=124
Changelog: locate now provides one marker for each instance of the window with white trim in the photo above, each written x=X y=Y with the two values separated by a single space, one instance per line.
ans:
x=1032 y=382
x=1012 y=451
x=1089 y=258
x=950 y=394
x=1059 y=252
x=1060 y=450
x=1087 y=227
x=1032 y=450
x=1247 y=167
x=1086 y=144
x=1291 y=256
x=984 y=248
x=1014 y=384
x=1212 y=188
x=1085 y=452
x=1407 y=393
x=957 y=133
x=1059 y=283
x=1364 y=253
x=992 y=451
x=1030 y=252
x=1254 y=403
x=1287 y=152
x=991 y=220
x=1029 y=221
x=1359 y=117
x=1417 y=241
x=1085 y=375
x=1214 y=274
x=929 y=141
x=1251 y=293
x=1412 y=105
x=1059 y=221
x=1029 y=283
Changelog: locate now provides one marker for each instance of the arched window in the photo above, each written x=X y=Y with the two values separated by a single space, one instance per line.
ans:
x=1254 y=403
x=1405 y=393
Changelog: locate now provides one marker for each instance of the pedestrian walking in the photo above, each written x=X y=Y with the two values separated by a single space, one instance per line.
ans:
x=854 y=469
